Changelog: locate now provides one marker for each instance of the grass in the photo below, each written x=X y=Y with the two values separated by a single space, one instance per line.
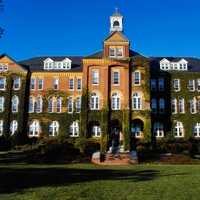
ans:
x=86 y=181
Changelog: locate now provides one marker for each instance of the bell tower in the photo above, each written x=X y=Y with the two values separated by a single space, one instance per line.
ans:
x=116 y=21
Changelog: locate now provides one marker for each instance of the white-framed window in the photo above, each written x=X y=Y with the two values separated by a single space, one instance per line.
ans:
x=115 y=101
x=174 y=106
x=15 y=104
x=192 y=103
x=96 y=131
x=71 y=84
x=111 y=52
x=136 y=130
x=95 y=77
x=40 y=84
x=74 y=129
x=39 y=104
x=119 y=52
x=33 y=83
x=79 y=84
x=137 y=78
x=116 y=78
x=161 y=105
x=153 y=84
x=16 y=83
x=191 y=85
x=1 y=127
x=116 y=52
x=158 y=129
x=3 y=67
x=176 y=85
x=50 y=105
x=2 y=102
x=34 y=129
x=59 y=104
x=70 y=105
x=2 y=83
x=94 y=102
x=31 y=105
x=196 y=130
x=181 y=105
x=198 y=85
x=13 y=127
x=136 y=101
x=56 y=84
x=178 y=130
x=154 y=105
x=78 y=104
x=161 y=84
x=54 y=129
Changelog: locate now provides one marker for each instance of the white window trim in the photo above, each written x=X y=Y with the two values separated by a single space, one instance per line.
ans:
x=4 y=79
x=134 y=80
x=40 y=79
x=55 y=128
x=16 y=89
x=113 y=79
x=73 y=127
x=97 y=78
x=71 y=79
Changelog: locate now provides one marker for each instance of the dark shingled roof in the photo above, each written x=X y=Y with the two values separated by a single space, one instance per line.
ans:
x=37 y=63
x=193 y=63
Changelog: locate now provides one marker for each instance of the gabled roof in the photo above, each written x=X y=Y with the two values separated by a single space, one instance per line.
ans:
x=112 y=37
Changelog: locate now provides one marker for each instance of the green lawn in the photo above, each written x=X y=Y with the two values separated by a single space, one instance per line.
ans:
x=85 y=181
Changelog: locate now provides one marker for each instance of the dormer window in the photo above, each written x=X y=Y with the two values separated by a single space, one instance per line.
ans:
x=180 y=65
x=50 y=64
x=116 y=52
x=3 y=67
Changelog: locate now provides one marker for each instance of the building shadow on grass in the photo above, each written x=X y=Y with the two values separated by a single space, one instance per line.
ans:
x=14 y=179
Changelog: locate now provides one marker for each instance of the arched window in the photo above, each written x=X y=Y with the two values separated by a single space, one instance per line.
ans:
x=34 y=129
x=74 y=129
x=178 y=130
x=161 y=105
x=154 y=105
x=78 y=104
x=13 y=127
x=31 y=105
x=2 y=101
x=136 y=101
x=15 y=104
x=181 y=105
x=192 y=103
x=70 y=105
x=174 y=106
x=196 y=130
x=1 y=127
x=54 y=128
x=116 y=103
x=116 y=24
x=39 y=103
x=59 y=105
x=50 y=105
x=158 y=129
x=94 y=101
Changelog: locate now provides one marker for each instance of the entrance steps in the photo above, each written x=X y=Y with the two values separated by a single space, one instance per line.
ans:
x=114 y=159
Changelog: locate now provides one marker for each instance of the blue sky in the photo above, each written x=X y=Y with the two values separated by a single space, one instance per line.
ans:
x=78 y=27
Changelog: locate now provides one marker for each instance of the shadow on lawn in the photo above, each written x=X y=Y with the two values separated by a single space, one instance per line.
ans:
x=13 y=180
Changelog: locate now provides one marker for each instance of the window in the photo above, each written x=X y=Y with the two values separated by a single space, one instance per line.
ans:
x=181 y=105
x=176 y=85
x=198 y=105
x=71 y=84
x=1 y=127
x=137 y=78
x=119 y=52
x=116 y=52
x=33 y=82
x=96 y=131
x=15 y=104
x=2 y=101
x=78 y=104
x=116 y=104
x=174 y=106
x=178 y=130
x=161 y=105
x=56 y=84
x=196 y=130
x=154 y=106
x=59 y=105
x=95 y=77
x=54 y=128
x=79 y=84
x=191 y=85
x=192 y=103
x=158 y=129
x=116 y=78
x=13 y=127
x=136 y=102
x=70 y=105
x=74 y=129
x=2 y=83
x=3 y=67
x=16 y=83
x=34 y=129
x=161 y=84
x=153 y=85
x=94 y=102
x=39 y=104
x=198 y=85
x=50 y=105
x=136 y=130
x=40 y=84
